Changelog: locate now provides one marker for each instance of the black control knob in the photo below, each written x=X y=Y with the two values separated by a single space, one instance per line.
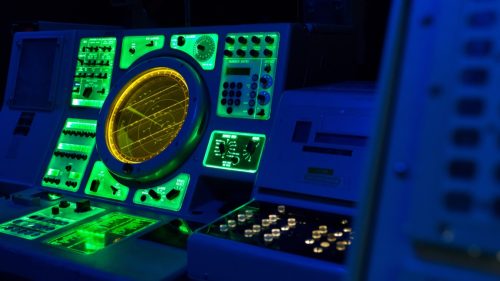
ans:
x=250 y=147
x=240 y=53
x=172 y=194
x=269 y=39
x=55 y=210
x=228 y=53
x=131 y=50
x=254 y=53
x=154 y=194
x=94 y=185
x=255 y=39
x=222 y=148
x=268 y=53
x=266 y=81
x=63 y=204
x=242 y=40
x=263 y=98
x=87 y=91
x=82 y=206
x=267 y=68
x=230 y=40
x=181 y=41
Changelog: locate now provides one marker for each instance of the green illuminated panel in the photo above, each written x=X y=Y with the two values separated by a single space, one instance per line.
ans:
x=43 y=222
x=166 y=196
x=97 y=235
x=134 y=47
x=234 y=151
x=71 y=155
x=94 y=67
x=202 y=47
x=102 y=184
x=248 y=75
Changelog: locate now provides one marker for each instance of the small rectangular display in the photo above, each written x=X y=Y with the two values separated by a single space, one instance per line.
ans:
x=238 y=71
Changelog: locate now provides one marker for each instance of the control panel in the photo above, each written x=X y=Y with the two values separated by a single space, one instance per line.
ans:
x=94 y=67
x=288 y=229
x=102 y=184
x=169 y=195
x=201 y=47
x=234 y=151
x=134 y=47
x=48 y=220
x=71 y=155
x=96 y=235
x=248 y=75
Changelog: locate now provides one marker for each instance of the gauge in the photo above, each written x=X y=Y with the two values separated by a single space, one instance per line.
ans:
x=204 y=48
x=147 y=115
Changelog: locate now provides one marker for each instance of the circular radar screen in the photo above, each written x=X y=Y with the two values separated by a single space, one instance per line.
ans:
x=147 y=115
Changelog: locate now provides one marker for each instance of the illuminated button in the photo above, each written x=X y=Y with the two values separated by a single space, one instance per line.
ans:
x=266 y=222
x=344 y=222
x=285 y=228
x=276 y=232
x=325 y=244
x=338 y=234
x=248 y=233
x=316 y=234
x=273 y=218
x=347 y=229
x=281 y=209
x=318 y=250
x=231 y=223
x=242 y=217
x=309 y=241
x=323 y=229
x=340 y=245
x=223 y=228
x=256 y=228
x=292 y=222
x=249 y=214
x=331 y=237
x=268 y=237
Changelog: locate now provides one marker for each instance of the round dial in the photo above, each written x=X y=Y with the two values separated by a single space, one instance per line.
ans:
x=204 y=48
x=147 y=115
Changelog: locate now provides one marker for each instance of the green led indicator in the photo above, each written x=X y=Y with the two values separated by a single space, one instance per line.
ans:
x=94 y=67
x=98 y=234
x=102 y=184
x=43 y=222
x=71 y=155
x=202 y=47
x=167 y=196
x=234 y=151
x=134 y=47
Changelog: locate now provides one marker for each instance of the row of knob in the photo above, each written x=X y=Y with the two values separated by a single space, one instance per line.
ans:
x=254 y=53
x=243 y=40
